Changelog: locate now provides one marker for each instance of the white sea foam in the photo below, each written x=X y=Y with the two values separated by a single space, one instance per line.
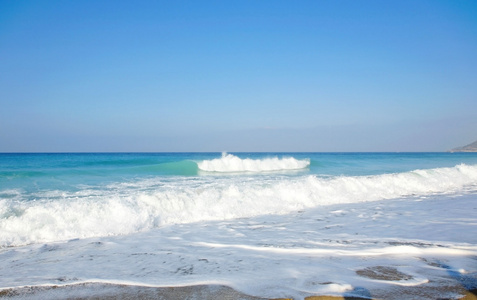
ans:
x=370 y=250
x=126 y=208
x=232 y=163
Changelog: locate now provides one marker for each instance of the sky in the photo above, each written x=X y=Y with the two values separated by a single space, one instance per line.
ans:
x=107 y=76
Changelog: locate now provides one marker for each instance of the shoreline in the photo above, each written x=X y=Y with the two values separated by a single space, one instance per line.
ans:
x=106 y=291
x=382 y=267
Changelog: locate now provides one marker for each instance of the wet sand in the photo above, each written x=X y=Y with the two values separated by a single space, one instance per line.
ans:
x=96 y=291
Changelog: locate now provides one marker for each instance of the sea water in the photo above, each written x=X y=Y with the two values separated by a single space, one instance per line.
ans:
x=268 y=224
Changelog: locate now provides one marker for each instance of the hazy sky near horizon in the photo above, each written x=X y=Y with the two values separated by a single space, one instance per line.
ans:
x=237 y=75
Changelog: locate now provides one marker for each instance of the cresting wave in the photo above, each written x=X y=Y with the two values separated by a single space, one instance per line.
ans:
x=128 y=207
x=229 y=163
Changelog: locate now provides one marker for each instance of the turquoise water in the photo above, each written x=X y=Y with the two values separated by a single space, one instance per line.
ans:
x=49 y=197
x=70 y=170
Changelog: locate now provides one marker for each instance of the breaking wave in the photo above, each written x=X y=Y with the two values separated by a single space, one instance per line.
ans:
x=229 y=163
x=132 y=206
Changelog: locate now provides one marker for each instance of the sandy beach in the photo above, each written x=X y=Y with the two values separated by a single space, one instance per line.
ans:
x=93 y=291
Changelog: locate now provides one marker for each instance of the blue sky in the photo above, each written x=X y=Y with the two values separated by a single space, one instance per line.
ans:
x=237 y=75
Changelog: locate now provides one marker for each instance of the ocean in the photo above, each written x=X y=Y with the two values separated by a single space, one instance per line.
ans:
x=266 y=224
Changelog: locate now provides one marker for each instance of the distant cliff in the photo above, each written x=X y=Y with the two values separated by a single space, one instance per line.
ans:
x=469 y=148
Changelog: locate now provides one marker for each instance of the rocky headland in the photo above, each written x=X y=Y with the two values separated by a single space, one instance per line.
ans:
x=469 y=148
